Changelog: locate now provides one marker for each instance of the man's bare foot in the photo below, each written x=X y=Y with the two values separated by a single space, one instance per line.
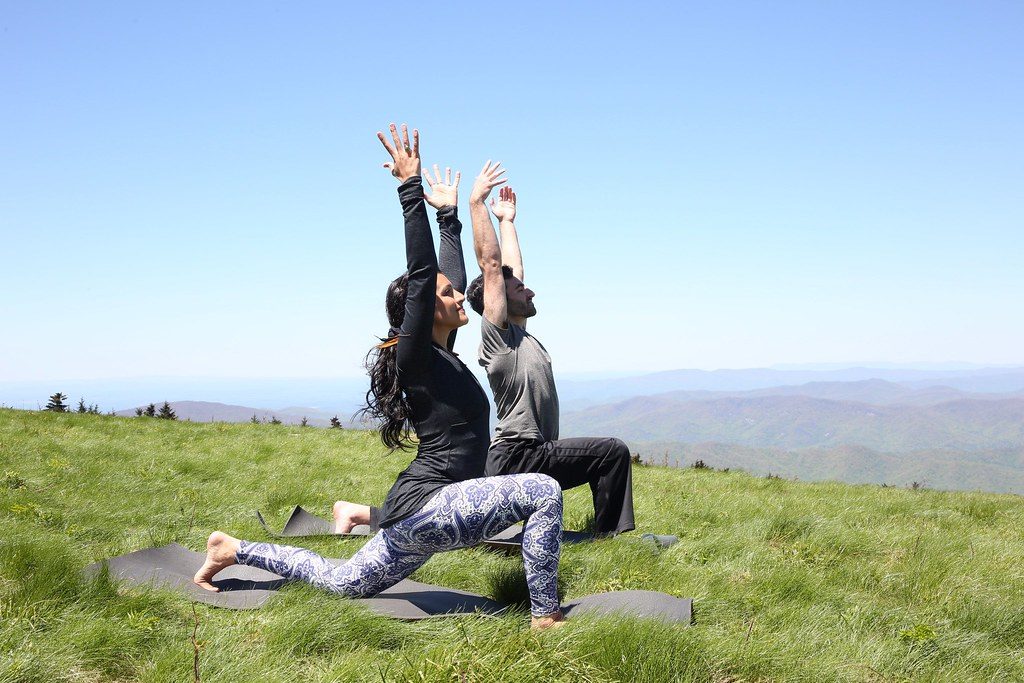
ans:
x=220 y=553
x=348 y=515
x=554 y=620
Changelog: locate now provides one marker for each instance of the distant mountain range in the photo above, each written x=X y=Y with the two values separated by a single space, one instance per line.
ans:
x=796 y=421
x=956 y=432
x=874 y=391
x=580 y=394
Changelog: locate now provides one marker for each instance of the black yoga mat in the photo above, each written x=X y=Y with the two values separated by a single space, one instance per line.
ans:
x=647 y=604
x=173 y=566
x=511 y=539
x=302 y=523
x=661 y=540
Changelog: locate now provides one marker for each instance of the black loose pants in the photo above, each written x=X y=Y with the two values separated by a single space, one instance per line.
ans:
x=603 y=463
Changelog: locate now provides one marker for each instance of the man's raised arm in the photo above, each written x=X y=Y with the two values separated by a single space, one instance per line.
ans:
x=504 y=209
x=485 y=243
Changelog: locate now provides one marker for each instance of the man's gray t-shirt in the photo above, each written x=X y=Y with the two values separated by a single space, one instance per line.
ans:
x=519 y=371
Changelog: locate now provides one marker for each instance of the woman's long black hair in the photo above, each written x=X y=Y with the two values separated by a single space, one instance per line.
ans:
x=385 y=401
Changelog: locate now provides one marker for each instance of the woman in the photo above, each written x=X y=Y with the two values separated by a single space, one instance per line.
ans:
x=440 y=501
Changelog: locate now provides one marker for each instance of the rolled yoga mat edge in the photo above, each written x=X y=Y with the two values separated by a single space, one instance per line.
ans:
x=303 y=524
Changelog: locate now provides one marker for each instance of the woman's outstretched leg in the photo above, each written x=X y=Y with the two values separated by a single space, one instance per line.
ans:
x=375 y=567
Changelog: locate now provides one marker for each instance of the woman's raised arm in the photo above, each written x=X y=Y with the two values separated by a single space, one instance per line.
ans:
x=415 y=334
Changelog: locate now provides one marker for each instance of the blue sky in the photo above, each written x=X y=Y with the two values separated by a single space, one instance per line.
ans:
x=190 y=190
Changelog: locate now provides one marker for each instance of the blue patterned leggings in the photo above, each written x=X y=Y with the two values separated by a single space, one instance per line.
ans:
x=458 y=516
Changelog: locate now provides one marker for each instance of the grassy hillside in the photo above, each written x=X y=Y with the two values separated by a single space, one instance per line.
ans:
x=791 y=581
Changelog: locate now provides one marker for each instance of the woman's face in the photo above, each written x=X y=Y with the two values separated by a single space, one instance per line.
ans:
x=448 y=311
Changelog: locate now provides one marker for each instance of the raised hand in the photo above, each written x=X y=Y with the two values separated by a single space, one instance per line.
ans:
x=505 y=208
x=405 y=159
x=489 y=178
x=442 y=192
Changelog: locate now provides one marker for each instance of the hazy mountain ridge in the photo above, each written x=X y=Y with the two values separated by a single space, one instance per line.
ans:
x=579 y=394
x=874 y=391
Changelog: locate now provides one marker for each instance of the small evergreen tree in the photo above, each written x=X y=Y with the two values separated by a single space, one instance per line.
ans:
x=56 y=403
x=274 y=420
x=81 y=406
x=150 y=410
x=166 y=413
x=254 y=420
x=138 y=412
x=94 y=409
x=305 y=422
x=335 y=423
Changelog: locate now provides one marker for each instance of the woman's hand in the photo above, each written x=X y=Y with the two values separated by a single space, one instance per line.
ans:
x=442 y=193
x=405 y=159
x=489 y=178
x=505 y=208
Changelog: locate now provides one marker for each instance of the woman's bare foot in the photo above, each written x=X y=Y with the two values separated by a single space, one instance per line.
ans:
x=220 y=553
x=553 y=620
x=348 y=515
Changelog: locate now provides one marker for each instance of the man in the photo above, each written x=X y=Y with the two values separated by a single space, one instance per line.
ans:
x=517 y=364
x=519 y=372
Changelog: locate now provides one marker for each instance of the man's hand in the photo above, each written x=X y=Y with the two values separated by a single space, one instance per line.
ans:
x=442 y=193
x=505 y=208
x=489 y=178
x=405 y=159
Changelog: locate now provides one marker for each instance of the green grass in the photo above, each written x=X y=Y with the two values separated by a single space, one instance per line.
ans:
x=792 y=581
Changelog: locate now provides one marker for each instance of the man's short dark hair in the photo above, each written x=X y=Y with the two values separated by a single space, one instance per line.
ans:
x=475 y=291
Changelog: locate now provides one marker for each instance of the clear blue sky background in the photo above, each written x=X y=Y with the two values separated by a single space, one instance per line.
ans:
x=195 y=190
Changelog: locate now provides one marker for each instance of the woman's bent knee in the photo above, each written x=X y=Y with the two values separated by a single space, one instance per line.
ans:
x=548 y=486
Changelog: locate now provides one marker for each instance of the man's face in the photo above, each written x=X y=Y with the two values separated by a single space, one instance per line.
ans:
x=519 y=299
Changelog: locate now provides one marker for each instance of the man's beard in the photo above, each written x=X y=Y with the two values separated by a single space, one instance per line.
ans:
x=522 y=310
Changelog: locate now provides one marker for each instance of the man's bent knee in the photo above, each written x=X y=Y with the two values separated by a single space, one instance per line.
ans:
x=618 y=449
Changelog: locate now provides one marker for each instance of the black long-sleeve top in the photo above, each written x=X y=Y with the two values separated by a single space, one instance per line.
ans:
x=450 y=411
x=449 y=254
